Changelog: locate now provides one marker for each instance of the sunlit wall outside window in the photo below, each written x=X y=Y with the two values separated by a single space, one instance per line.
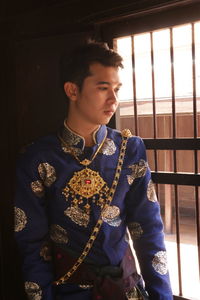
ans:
x=166 y=60
x=182 y=42
x=124 y=48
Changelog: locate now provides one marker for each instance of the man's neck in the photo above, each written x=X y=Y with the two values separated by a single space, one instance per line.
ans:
x=84 y=131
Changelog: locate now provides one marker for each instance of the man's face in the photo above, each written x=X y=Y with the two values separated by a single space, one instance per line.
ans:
x=97 y=101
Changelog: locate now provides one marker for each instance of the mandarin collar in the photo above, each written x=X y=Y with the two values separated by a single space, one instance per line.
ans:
x=73 y=139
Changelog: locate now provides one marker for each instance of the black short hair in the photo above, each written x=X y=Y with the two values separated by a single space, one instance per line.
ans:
x=75 y=66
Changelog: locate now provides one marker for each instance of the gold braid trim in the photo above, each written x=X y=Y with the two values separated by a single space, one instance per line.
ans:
x=125 y=135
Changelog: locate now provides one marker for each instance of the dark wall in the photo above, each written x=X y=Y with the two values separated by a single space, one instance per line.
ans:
x=9 y=260
x=32 y=105
x=40 y=101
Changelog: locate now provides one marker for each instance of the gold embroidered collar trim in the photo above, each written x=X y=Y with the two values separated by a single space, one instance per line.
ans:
x=71 y=151
x=73 y=139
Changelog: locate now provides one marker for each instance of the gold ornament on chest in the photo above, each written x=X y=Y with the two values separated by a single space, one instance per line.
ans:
x=84 y=188
x=86 y=183
x=87 y=188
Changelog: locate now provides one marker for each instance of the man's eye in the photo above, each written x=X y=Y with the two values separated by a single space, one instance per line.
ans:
x=117 y=90
x=103 y=88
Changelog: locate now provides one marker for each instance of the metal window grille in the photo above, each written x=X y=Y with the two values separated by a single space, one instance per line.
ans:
x=173 y=142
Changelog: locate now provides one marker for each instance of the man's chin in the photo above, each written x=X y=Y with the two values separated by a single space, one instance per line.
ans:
x=107 y=120
x=104 y=121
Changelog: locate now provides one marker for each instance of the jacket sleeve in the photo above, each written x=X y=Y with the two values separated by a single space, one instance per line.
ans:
x=146 y=229
x=31 y=227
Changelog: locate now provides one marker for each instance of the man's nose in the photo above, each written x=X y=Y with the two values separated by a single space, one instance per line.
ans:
x=113 y=96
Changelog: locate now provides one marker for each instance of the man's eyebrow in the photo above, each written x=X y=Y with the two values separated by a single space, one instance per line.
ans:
x=103 y=82
x=108 y=83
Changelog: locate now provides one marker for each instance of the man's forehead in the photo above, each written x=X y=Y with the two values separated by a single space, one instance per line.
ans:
x=98 y=67
x=104 y=74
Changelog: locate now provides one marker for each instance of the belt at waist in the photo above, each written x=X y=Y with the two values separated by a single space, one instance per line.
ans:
x=109 y=282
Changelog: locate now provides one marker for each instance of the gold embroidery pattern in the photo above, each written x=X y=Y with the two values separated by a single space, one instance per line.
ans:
x=45 y=251
x=151 y=193
x=20 y=219
x=108 y=148
x=159 y=262
x=70 y=138
x=99 y=223
x=86 y=286
x=111 y=215
x=77 y=215
x=37 y=188
x=126 y=133
x=138 y=170
x=77 y=151
x=134 y=294
x=33 y=290
x=86 y=183
x=47 y=173
x=58 y=234
x=84 y=187
x=135 y=230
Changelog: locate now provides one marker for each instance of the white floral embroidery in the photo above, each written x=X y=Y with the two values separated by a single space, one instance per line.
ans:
x=138 y=170
x=37 y=188
x=108 y=147
x=135 y=230
x=33 y=291
x=111 y=215
x=45 y=251
x=151 y=193
x=159 y=262
x=58 y=234
x=47 y=173
x=20 y=219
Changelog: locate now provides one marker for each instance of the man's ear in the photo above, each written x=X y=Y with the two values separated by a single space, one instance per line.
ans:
x=71 y=90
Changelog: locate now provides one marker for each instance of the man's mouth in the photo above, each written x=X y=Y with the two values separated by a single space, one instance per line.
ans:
x=109 y=111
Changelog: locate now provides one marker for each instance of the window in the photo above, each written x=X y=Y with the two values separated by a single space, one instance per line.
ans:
x=160 y=100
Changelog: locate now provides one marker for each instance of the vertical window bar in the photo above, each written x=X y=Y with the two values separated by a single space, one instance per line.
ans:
x=175 y=162
x=173 y=88
x=153 y=88
x=134 y=86
x=154 y=103
x=195 y=136
x=153 y=98
x=178 y=238
x=198 y=223
x=194 y=85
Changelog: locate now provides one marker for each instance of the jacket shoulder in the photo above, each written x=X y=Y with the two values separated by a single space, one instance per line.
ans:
x=38 y=149
x=125 y=133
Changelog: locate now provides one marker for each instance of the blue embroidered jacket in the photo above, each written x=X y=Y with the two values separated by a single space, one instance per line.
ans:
x=55 y=200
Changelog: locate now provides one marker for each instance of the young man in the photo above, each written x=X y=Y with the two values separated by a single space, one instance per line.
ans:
x=79 y=191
